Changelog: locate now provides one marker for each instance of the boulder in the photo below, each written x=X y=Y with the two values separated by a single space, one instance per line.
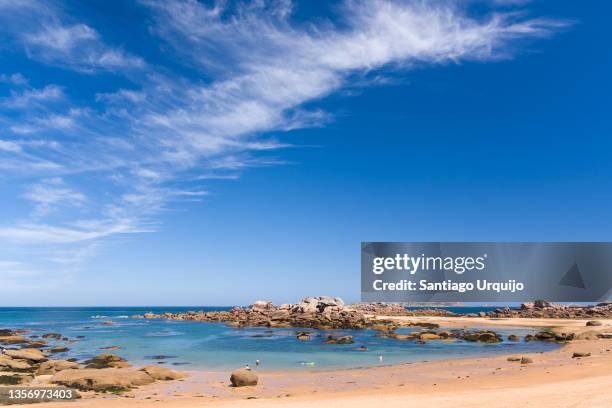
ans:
x=303 y=336
x=10 y=364
x=513 y=337
x=15 y=379
x=105 y=379
x=164 y=374
x=27 y=354
x=12 y=339
x=593 y=323
x=54 y=366
x=107 y=361
x=542 y=304
x=261 y=305
x=243 y=377
x=544 y=336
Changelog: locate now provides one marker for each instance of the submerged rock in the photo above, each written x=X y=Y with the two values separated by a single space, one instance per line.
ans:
x=107 y=361
x=339 y=340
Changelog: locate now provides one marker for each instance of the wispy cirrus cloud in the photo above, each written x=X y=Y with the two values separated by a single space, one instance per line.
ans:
x=250 y=72
x=51 y=194
x=27 y=97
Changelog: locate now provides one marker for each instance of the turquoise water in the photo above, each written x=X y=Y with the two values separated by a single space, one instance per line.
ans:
x=213 y=346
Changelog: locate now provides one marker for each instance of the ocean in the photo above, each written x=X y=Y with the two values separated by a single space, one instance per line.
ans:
x=215 y=347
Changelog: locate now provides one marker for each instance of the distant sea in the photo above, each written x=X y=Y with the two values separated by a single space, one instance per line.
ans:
x=213 y=346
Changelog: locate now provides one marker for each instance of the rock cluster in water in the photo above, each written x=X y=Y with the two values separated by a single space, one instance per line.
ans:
x=26 y=360
x=548 y=310
x=322 y=312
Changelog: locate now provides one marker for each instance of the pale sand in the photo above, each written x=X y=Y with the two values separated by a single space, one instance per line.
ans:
x=555 y=379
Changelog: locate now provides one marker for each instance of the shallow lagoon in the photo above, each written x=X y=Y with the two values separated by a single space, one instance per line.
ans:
x=213 y=346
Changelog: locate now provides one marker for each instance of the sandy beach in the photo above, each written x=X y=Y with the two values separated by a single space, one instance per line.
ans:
x=554 y=379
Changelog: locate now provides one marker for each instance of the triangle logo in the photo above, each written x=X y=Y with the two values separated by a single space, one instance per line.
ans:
x=573 y=278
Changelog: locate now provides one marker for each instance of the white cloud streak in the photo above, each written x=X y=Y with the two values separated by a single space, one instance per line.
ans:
x=146 y=145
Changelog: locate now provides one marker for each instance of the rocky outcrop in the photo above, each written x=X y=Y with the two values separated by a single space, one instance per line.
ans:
x=243 y=377
x=54 y=366
x=105 y=379
x=398 y=309
x=8 y=363
x=321 y=312
x=105 y=372
x=33 y=355
x=544 y=309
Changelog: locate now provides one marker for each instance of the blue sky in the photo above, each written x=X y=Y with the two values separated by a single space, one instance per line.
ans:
x=200 y=153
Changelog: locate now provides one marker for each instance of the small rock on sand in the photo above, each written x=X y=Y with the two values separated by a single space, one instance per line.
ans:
x=579 y=354
x=243 y=377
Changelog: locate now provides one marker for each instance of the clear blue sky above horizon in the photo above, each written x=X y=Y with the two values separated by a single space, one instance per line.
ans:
x=200 y=153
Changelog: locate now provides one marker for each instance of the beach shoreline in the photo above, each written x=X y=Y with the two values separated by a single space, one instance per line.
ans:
x=458 y=382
